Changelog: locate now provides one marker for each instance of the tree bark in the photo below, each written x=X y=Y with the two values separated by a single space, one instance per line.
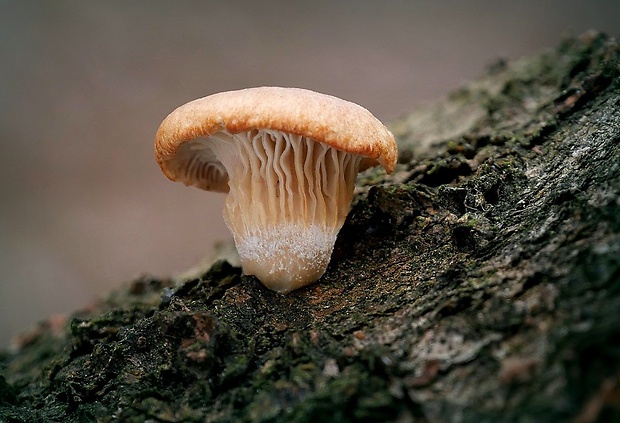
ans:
x=478 y=282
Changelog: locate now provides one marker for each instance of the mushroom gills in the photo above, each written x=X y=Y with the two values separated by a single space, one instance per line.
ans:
x=288 y=198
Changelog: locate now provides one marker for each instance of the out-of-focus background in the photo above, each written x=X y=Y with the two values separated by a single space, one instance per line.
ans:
x=84 y=85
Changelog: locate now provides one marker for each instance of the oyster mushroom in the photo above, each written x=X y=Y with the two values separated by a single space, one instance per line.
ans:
x=288 y=158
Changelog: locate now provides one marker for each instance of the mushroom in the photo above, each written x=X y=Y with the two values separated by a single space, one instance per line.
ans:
x=288 y=158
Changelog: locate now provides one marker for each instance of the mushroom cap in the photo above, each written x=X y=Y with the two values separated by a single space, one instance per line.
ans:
x=326 y=119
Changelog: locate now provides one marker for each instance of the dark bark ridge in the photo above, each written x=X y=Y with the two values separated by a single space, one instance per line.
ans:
x=479 y=282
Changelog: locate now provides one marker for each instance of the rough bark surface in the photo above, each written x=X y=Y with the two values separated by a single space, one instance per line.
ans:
x=479 y=282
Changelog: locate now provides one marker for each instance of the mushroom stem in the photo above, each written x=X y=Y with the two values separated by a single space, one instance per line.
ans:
x=288 y=198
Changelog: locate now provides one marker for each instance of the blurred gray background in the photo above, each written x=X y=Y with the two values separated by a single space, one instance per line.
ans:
x=84 y=85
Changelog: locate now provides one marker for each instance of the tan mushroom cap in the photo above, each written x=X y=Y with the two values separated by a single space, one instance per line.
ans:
x=288 y=158
x=326 y=119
